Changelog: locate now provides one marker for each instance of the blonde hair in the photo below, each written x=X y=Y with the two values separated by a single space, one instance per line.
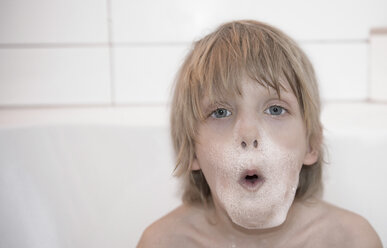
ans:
x=215 y=66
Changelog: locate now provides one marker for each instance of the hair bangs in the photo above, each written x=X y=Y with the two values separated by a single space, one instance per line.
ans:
x=233 y=52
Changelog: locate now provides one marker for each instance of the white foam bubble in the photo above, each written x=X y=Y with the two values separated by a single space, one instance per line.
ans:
x=268 y=206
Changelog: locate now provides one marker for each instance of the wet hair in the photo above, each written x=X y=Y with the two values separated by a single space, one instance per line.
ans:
x=214 y=68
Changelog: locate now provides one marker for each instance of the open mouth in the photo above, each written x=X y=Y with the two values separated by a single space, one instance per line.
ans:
x=251 y=180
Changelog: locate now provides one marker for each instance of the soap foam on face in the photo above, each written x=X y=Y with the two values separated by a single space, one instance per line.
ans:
x=268 y=206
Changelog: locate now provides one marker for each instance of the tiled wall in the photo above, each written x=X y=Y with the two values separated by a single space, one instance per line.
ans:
x=112 y=52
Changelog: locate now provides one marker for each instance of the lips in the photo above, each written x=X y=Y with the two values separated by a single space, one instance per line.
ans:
x=251 y=180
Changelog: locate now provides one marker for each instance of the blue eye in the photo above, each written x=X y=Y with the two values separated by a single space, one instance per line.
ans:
x=220 y=113
x=276 y=110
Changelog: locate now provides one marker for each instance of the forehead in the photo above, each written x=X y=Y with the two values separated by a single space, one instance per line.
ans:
x=246 y=85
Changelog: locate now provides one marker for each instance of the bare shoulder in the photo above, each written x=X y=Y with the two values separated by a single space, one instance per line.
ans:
x=356 y=227
x=344 y=228
x=171 y=230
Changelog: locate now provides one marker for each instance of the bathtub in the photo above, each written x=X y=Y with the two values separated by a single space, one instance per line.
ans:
x=96 y=177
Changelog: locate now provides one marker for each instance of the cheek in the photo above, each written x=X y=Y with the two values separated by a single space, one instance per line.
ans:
x=290 y=137
x=208 y=158
x=215 y=160
x=283 y=149
x=211 y=145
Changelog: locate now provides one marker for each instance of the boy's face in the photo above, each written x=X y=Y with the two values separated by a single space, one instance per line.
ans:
x=251 y=150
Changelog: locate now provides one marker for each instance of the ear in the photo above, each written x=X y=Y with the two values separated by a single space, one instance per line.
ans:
x=311 y=156
x=195 y=164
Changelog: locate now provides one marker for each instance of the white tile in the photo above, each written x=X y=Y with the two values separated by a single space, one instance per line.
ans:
x=115 y=116
x=54 y=76
x=354 y=117
x=41 y=21
x=172 y=21
x=378 y=66
x=341 y=69
x=144 y=74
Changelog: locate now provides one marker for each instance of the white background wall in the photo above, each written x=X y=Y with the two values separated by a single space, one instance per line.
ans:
x=111 y=61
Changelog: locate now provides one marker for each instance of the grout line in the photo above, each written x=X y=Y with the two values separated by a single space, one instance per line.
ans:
x=366 y=101
x=187 y=43
x=52 y=45
x=81 y=106
x=149 y=44
x=111 y=52
x=371 y=101
x=369 y=71
x=143 y=43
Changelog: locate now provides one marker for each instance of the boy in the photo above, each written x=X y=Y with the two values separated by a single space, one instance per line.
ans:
x=249 y=144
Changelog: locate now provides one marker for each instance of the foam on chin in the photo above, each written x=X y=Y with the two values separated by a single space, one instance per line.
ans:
x=257 y=211
x=268 y=206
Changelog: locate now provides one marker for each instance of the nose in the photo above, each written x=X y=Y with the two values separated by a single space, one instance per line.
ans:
x=254 y=144
x=247 y=131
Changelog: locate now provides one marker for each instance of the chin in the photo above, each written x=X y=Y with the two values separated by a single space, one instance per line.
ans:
x=262 y=223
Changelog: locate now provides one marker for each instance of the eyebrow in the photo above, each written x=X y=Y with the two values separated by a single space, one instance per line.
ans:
x=287 y=96
x=208 y=106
